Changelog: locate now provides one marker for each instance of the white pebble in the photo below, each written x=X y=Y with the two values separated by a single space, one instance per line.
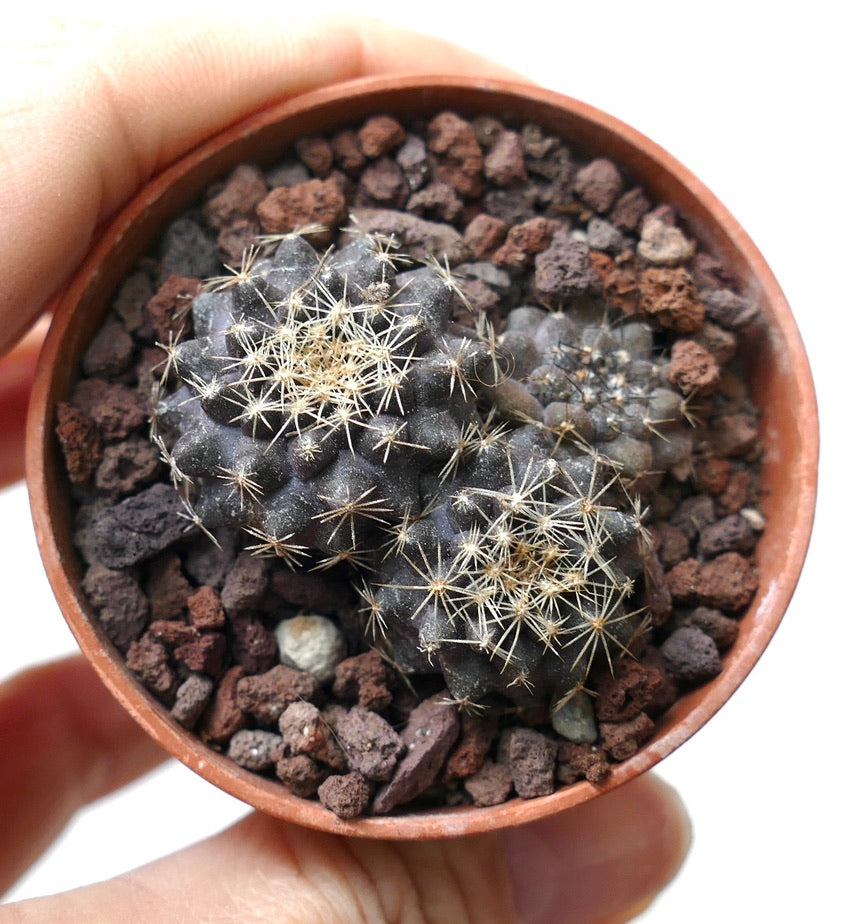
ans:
x=663 y=244
x=755 y=518
x=310 y=643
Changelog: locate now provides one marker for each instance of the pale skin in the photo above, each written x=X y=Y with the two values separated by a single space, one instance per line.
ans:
x=92 y=112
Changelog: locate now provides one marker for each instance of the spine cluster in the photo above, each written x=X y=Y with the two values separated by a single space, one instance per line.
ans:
x=329 y=407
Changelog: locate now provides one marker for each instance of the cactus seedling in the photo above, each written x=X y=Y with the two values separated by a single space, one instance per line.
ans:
x=330 y=408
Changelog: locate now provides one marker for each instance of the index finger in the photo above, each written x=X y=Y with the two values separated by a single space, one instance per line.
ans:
x=93 y=110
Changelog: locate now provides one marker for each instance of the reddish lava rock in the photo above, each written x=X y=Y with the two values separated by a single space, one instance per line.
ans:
x=729 y=534
x=243 y=191
x=370 y=743
x=476 y=736
x=169 y=309
x=252 y=645
x=671 y=543
x=191 y=699
x=630 y=208
x=523 y=242
x=382 y=183
x=366 y=678
x=460 y=160
x=348 y=153
x=727 y=582
x=110 y=352
x=694 y=514
x=532 y=760
x=437 y=200
x=729 y=309
x=722 y=629
x=80 y=441
x=127 y=467
x=622 y=739
x=619 y=281
x=172 y=632
x=346 y=795
x=205 y=609
x=116 y=409
x=315 y=202
x=735 y=435
x=712 y=475
x=245 y=584
x=380 y=135
x=316 y=154
x=265 y=696
x=484 y=234
x=505 y=163
x=628 y=691
x=225 y=717
x=671 y=298
x=693 y=368
x=204 y=655
x=167 y=587
x=148 y=660
x=582 y=762
x=301 y=775
x=736 y=494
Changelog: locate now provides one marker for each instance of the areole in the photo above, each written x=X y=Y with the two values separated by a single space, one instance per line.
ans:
x=777 y=369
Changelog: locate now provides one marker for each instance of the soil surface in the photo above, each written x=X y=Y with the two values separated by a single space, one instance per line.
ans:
x=212 y=631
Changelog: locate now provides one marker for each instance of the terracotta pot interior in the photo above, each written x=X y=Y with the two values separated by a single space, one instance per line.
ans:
x=778 y=374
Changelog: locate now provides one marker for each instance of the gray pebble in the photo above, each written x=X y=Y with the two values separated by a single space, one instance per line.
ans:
x=575 y=719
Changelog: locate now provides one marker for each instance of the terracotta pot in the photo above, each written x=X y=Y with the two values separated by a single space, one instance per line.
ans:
x=778 y=372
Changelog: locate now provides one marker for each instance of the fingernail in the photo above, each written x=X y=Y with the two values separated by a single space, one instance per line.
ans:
x=597 y=860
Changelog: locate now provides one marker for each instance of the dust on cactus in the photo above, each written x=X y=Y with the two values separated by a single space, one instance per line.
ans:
x=478 y=488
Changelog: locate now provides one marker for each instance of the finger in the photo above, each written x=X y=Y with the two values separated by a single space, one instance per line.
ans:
x=602 y=861
x=92 y=111
x=64 y=742
x=16 y=372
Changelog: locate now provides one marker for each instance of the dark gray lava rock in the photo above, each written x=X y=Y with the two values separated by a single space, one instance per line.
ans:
x=139 y=527
x=691 y=656
x=254 y=749
x=122 y=606
x=431 y=730
x=370 y=743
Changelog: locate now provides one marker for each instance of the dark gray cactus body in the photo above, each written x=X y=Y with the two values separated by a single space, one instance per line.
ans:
x=331 y=409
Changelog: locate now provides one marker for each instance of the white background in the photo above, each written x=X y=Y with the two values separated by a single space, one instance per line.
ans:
x=753 y=98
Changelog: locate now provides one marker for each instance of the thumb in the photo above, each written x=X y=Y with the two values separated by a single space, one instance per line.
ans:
x=601 y=861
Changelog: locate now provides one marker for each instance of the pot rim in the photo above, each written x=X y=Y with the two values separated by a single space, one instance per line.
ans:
x=122 y=241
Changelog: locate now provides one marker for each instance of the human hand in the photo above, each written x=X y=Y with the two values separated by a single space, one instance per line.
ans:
x=98 y=111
